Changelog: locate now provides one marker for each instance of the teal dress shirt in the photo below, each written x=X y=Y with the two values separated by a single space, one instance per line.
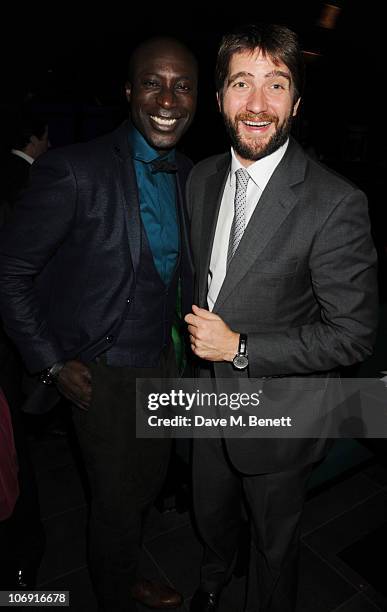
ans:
x=157 y=195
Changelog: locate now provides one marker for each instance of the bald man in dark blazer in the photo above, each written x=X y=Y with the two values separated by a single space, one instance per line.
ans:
x=90 y=268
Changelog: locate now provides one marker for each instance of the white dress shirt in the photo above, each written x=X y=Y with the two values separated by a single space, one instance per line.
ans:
x=260 y=173
x=23 y=155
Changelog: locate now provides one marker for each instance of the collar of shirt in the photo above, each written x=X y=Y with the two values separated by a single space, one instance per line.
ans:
x=142 y=151
x=23 y=155
x=261 y=170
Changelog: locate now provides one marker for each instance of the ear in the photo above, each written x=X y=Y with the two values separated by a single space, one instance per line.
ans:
x=128 y=90
x=295 y=107
x=219 y=100
x=33 y=144
x=31 y=147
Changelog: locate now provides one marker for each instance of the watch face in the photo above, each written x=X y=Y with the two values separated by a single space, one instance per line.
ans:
x=240 y=362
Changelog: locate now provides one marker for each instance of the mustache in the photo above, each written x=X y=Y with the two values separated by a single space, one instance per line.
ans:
x=259 y=117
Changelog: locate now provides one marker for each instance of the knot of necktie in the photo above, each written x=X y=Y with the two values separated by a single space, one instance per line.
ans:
x=242 y=179
x=163 y=165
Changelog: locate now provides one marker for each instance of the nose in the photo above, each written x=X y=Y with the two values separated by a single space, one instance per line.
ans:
x=257 y=102
x=166 y=97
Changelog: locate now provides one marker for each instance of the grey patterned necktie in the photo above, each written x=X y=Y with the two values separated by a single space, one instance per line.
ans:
x=239 y=220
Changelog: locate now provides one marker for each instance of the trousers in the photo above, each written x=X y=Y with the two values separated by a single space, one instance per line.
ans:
x=125 y=475
x=274 y=504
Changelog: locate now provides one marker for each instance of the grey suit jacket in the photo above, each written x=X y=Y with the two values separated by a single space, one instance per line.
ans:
x=302 y=283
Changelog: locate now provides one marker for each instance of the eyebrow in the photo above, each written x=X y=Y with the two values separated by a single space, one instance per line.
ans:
x=239 y=75
x=276 y=73
x=273 y=73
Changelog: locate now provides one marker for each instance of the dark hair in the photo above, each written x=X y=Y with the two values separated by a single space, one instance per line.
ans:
x=275 y=41
x=24 y=126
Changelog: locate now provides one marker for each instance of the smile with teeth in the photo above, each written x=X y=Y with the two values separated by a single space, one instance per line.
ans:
x=257 y=123
x=164 y=121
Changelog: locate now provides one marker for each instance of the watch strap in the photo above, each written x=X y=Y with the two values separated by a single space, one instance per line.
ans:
x=242 y=349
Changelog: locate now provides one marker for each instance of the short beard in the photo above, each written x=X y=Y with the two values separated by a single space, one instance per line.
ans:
x=247 y=150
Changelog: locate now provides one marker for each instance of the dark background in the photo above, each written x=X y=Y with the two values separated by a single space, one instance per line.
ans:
x=76 y=65
x=70 y=63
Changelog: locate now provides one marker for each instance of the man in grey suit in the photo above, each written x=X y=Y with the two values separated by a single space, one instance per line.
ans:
x=286 y=286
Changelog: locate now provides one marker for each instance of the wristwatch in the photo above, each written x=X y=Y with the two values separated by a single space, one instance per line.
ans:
x=240 y=361
x=50 y=375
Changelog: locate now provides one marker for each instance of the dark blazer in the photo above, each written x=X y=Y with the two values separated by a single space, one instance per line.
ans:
x=15 y=176
x=69 y=257
x=302 y=284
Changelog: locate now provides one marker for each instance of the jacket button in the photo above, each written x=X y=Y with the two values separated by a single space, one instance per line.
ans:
x=128 y=300
x=109 y=339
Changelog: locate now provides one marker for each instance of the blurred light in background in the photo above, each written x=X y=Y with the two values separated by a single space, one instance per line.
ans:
x=329 y=16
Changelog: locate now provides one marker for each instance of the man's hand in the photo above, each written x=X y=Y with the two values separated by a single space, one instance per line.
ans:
x=74 y=382
x=210 y=337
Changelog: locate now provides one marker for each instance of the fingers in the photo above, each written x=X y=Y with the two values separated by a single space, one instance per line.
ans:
x=84 y=407
x=204 y=314
x=86 y=374
x=80 y=396
x=201 y=332
x=192 y=319
x=198 y=314
x=74 y=382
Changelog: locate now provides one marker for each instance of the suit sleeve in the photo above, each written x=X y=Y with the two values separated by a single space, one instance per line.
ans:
x=343 y=276
x=40 y=223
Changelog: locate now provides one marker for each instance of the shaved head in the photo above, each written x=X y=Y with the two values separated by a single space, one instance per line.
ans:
x=155 y=46
x=162 y=90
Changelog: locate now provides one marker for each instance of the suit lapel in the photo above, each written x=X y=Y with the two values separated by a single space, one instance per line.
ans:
x=212 y=199
x=183 y=222
x=275 y=204
x=130 y=199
